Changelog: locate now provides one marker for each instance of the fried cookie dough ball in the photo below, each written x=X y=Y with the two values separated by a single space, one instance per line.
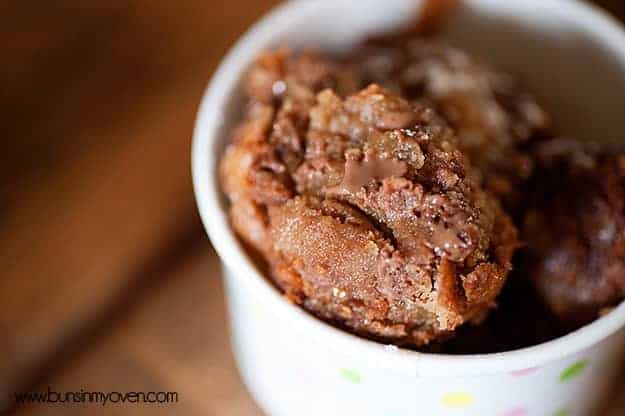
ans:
x=371 y=221
x=575 y=232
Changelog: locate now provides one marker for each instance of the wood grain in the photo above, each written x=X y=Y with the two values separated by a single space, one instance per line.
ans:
x=176 y=341
x=98 y=106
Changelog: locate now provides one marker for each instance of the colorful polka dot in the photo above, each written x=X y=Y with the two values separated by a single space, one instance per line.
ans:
x=352 y=376
x=573 y=371
x=524 y=372
x=517 y=411
x=562 y=412
x=457 y=399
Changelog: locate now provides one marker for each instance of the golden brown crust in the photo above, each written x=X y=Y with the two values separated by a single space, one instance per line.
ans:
x=363 y=207
x=495 y=119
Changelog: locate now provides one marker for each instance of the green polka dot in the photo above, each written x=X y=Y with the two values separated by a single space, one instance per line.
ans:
x=562 y=412
x=457 y=399
x=574 y=370
x=352 y=376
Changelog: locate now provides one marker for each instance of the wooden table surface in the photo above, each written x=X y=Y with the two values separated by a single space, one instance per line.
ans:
x=108 y=282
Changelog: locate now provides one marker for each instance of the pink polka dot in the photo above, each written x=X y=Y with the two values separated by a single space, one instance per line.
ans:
x=517 y=411
x=524 y=372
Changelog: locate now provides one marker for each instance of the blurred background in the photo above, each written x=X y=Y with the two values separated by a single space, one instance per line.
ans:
x=108 y=282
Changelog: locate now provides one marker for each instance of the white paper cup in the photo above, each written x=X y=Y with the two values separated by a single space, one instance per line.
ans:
x=573 y=57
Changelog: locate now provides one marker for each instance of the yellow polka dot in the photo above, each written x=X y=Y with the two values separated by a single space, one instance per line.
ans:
x=457 y=399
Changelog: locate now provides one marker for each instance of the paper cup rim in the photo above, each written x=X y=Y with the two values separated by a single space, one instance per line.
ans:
x=205 y=159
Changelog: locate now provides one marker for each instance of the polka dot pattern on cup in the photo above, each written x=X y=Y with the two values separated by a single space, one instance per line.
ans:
x=517 y=411
x=572 y=371
x=562 y=412
x=524 y=372
x=457 y=399
x=463 y=399
x=350 y=375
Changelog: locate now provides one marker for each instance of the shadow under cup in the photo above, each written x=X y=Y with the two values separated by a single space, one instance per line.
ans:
x=573 y=58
